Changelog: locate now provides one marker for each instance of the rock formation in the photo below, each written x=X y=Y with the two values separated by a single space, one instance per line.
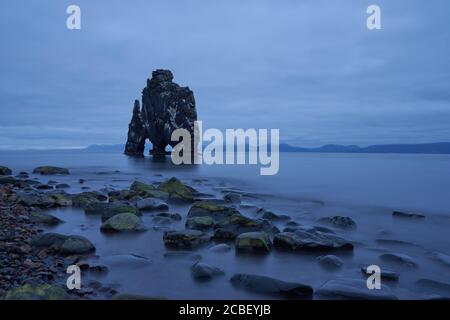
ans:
x=165 y=107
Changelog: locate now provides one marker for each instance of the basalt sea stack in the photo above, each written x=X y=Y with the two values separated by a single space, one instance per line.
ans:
x=165 y=107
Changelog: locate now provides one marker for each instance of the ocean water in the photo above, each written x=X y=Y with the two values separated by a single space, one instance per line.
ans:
x=366 y=187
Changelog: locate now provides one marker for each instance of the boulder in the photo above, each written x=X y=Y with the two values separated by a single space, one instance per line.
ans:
x=165 y=107
x=399 y=258
x=269 y=215
x=232 y=197
x=221 y=234
x=184 y=238
x=399 y=214
x=141 y=188
x=109 y=210
x=85 y=199
x=149 y=204
x=35 y=199
x=123 y=195
x=354 y=289
x=200 y=223
x=5 y=171
x=77 y=245
x=61 y=198
x=210 y=209
x=123 y=222
x=339 y=222
x=49 y=170
x=7 y=180
x=330 y=262
x=172 y=216
x=177 y=190
x=65 y=244
x=41 y=292
x=271 y=286
x=386 y=273
x=253 y=242
x=44 y=218
x=203 y=271
x=310 y=240
x=62 y=186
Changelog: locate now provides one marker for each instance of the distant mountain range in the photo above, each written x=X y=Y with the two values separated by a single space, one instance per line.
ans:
x=424 y=148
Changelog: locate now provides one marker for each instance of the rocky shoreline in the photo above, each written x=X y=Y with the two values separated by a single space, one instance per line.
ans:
x=33 y=263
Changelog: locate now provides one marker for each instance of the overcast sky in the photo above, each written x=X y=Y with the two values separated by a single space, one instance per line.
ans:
x=310 y=68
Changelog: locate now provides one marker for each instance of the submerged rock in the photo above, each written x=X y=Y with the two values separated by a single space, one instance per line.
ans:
x=330 y=262
x=123 y=222
x=354 y=289
x=203 y=271
x=77 y=245
x=253 y=242
x=177 y=190
x=62 y=186
x=48 y=170
x=5 y=171
x=44 y=218
x=184 y=238
x=41 y=292
x=84 y=199
x=165 y=107
x=386 y=274
x=149 y=204
x=232 y=197
x=269 y=215
x=399 y=258
x=399 y=214
x=311 y=240
x=64 y=244
x=271 y=286
x=443 y=258
x=200 y=223
x=339 y=222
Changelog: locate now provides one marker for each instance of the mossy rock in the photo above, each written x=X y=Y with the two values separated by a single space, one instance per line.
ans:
x=41 y=292
x=123 y=222
x=200 y=223
x=177 y=190
x=210 y=209
x=123 y=195
x=109 y=210
x=141 y=187
x=184 y=238
x=84 y=199
x=44 y=218
x=77 y=245
x=61 y=198
x=221 y=234
x=5 y=171
x=47 y=170
x=253 y=242
x=240 y=224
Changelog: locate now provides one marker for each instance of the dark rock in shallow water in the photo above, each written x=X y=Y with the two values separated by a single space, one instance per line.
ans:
x=330 y=262
x=35 y=199
x=311 y=240
x=354 y=289
x=222 y=234
x=200 y=223
x=165 y=107
x=443 y=258
x=399 y=214
x=253 y=242
x=203 y=271
x=339 y=222
x=48 y=170
x=77 y=245
x=62 y=186
x=399 y=258
x=210 y=209
x=85 y=199
x=123 y=222
x=269 y=215
x=44 y=218
x=5 y=171
x=232 y=197
x=184 y=238
x=386 y=274
x=43 y=187
x=149 y=204
x=109 y=210
x=177 y=190
x=271 y=286
x=64 y=244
